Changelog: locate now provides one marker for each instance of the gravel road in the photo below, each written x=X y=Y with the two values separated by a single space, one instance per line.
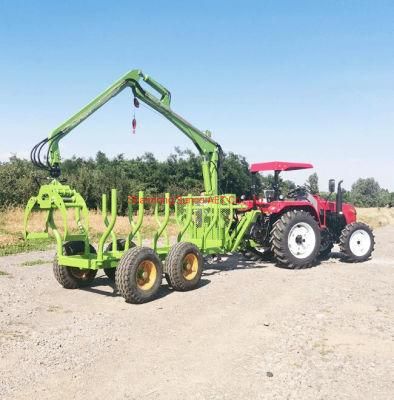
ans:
x=251 y=331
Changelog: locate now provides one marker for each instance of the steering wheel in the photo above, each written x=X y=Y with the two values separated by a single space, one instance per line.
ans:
x=299 y=191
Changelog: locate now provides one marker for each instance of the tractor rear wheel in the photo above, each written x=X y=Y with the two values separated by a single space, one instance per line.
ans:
x=183 y=266
x=72 y=277
x=120 y=244
x=357 y=242
x=295 y=239
x=139 y=274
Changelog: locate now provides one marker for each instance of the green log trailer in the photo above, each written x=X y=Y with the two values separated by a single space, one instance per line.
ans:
x=208 y=224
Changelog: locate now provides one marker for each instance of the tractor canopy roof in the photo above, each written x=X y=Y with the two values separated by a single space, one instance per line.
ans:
x=278 y=166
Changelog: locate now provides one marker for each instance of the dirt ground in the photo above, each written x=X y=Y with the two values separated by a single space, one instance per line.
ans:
x=251 y=331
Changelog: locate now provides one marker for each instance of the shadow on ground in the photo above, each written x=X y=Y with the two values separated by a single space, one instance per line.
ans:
x=235 y=262
x=164 y=290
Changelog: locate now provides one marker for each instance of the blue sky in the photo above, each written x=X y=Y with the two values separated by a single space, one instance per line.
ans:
x=308 y=81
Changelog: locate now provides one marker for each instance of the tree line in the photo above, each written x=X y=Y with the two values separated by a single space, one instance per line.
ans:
x=179 y=174
x=365 y=192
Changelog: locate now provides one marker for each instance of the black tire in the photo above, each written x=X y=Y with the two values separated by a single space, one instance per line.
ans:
x=110 y=272
x=280 y=245
x=129 y=277
x=183 y=266
x=326 y=244
x=71 y=277
x=325 y=250
x=346 y=245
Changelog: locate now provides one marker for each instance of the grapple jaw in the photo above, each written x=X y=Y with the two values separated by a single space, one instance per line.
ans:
x=52 y=197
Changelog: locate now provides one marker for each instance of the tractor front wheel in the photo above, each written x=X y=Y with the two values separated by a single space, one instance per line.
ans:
x=357 y=242
x=183 y=266
x=295 y=239
x=72 y=277
x=139 y=274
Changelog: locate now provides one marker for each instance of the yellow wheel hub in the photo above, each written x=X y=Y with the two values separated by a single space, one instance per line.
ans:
x=190 y=266
x=146 y=275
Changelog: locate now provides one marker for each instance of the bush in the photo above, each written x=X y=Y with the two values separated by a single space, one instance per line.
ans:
x=368 y=193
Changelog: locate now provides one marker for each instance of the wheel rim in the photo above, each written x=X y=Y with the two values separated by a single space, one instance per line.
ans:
x=81 y=274
x=190 y=266
x=360 y=242
x=301 y=240
x=146 y=275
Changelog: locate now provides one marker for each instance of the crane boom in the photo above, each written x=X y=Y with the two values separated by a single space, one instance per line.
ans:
x=209 y=150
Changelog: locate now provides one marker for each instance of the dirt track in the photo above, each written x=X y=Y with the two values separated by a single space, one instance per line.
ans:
x=250 y=331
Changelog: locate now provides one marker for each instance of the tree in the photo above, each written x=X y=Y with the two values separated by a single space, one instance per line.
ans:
x=312 y=183
x=17 y=182
x=235 y=177
x=384 y=198
x=391 y=204
x=365 y=192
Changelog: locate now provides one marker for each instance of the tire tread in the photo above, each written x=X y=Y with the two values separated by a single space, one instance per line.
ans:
x=278 y=240
x=344 y=241
x=174 y=258
x=123 y=275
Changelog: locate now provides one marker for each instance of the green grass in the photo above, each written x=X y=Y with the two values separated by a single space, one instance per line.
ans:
x=2 y=273
x=26 y=246
x=33 y=262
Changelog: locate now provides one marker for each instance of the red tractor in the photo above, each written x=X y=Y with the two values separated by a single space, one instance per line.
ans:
x=297 y=228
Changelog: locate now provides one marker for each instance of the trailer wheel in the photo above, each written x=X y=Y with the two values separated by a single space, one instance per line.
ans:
x=357 y=242
x=110 y=272
x=139 y=275
x=72 y=277
x=183 y=266
x=295 y=240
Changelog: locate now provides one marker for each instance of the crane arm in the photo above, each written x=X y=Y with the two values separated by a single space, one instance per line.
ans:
x=210 y=151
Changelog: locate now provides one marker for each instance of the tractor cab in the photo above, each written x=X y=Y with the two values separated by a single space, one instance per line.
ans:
x=277 y=167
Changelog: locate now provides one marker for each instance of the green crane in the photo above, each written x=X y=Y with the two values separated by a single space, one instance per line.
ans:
x=210 y=151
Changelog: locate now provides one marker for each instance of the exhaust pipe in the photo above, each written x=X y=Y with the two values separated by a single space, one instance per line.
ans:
x=339 y=199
